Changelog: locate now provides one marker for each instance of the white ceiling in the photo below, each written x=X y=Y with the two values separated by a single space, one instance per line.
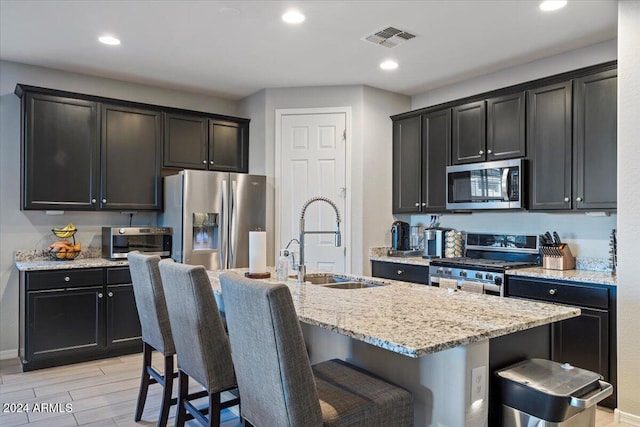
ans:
x=194 y=46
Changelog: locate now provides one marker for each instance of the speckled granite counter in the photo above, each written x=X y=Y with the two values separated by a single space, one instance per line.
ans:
x=584 y=276
x=414 y=320
x=40 y=260
x=380 y=254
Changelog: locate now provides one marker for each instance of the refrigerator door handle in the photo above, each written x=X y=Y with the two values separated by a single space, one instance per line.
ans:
x=233 y=224
x=223 y=232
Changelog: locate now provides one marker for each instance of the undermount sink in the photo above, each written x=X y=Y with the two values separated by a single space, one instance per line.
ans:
x=329 y=280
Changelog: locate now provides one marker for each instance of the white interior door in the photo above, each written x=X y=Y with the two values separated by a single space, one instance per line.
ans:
x=313 y=153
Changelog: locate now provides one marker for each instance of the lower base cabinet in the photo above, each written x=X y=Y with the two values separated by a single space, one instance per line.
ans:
x=587 y=341
x=70 y=316
x=400 y=271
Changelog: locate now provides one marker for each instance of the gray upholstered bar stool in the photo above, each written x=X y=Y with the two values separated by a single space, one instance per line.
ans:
x=278 y=385
x=156 y=332
x=201 y=342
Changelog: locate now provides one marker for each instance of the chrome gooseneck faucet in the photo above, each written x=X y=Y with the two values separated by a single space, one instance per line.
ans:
x=302 y=269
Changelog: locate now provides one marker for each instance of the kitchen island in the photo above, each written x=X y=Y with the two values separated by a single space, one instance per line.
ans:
x=441 y=345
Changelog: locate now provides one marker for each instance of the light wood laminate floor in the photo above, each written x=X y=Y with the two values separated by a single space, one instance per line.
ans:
x=100 y=393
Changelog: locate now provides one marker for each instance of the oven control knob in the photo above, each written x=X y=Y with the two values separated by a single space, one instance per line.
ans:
x=121 y=231
x=489 y=276
x=498 y=281
x=439 y=271
x=463 y=273
x=478 y=275
x=448 y=271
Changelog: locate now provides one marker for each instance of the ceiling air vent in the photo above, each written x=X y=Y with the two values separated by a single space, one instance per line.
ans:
x=389 y=37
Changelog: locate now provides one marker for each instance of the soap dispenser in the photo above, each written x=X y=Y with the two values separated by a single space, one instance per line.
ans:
x=282 y=267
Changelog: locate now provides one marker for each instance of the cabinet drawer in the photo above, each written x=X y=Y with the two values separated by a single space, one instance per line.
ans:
x=399 y=271
x=571 y=294
x=42 y=280
x=118 y=275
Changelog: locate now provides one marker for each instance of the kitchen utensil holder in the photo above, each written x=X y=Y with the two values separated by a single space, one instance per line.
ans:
x=560 y=258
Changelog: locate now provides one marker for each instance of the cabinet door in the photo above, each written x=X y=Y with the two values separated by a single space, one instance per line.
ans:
x=595 y=139
x=185 y=141
x=64 y=322
x=549 y=136
x=60 y=153
x=228 y=146
x=407 y=165
x=436 y=140
x=123 y=323
x=130 y=161
x=583 y=341
x=469 y=127
x=505 y=127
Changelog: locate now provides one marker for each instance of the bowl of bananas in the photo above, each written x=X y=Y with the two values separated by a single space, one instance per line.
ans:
x=64 y=249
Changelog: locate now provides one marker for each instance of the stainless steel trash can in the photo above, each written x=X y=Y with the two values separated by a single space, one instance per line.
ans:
x=542 y=393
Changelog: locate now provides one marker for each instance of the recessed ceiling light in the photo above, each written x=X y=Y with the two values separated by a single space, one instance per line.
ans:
x=389 y=65
x=293 y=17
x=110 y=40
x=549 y=5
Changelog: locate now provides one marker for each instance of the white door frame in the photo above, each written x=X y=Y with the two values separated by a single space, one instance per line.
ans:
x=346 y=229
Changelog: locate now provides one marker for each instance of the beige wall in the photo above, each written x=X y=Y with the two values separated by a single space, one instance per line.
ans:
x=32 y=229
x=629 y=210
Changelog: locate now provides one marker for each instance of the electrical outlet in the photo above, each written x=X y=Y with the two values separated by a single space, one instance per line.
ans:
x=478 y=380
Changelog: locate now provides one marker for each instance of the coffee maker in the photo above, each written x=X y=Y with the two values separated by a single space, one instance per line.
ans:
x=400 y=236
x=434 y=243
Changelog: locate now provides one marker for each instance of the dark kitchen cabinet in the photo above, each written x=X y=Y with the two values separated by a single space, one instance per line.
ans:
x=549 y=139
x=506 y=127
x=595 y=141
x=60 y=152
x=199 y=142
x=69 y=316
x=420 y=153
x=468 y=143
x=587 y=341
x=130 y=159
x=400 y=271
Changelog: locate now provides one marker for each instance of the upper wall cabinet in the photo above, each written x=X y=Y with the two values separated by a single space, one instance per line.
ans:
x=595 y=141
x=60 y=153
x=130 y=159
x=199 y=142
x=489 y=130
x=420 y=153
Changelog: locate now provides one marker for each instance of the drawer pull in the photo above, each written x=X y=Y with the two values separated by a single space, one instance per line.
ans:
x=110 y=294
x=100 y=295
x=552 y=291
x=67 y=278
x=400 y=272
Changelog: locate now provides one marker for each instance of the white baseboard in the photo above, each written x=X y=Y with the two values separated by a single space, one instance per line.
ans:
x=8 y=354
x=628 y=419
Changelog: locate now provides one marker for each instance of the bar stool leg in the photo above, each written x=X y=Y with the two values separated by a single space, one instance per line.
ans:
x=144 y=381
x=214 y=409
x=167 y=389
x=183 y=393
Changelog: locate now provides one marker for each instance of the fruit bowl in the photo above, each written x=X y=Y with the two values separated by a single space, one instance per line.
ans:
x=62 y=255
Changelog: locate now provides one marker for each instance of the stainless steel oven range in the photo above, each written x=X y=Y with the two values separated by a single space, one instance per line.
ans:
x=488 y=256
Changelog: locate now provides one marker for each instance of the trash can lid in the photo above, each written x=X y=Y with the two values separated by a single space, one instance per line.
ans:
x=549 y=377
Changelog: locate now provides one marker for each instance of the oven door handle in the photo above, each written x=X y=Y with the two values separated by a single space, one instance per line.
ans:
x=505 y=184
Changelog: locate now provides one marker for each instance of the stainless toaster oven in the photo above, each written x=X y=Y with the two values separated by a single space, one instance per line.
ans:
x=118 y=241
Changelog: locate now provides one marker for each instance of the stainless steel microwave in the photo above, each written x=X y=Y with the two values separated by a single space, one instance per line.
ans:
x=118 y=241
x=488 y=185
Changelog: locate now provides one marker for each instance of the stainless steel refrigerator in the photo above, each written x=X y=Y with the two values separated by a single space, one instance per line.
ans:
x=211 y=214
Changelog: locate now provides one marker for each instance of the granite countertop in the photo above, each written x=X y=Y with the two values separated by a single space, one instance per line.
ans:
x=598 y=276
x=583 y=276
x=39 y=260
x=411 y=319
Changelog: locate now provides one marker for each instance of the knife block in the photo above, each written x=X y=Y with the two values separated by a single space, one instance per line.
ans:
x=563 y=261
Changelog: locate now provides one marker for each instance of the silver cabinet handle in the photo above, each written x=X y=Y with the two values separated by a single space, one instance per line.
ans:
x=104 y=200
x=480 y=152
x=400 y=272
x=424 y=204
x=67 y=278
x=110 y=294
x=417 y=204
x=552 y=291
x=210 y=162
x=93 y=200
x=489 y=151
x=578 y=199
x=100 y=295
x=566 y=200
x=204 y=162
